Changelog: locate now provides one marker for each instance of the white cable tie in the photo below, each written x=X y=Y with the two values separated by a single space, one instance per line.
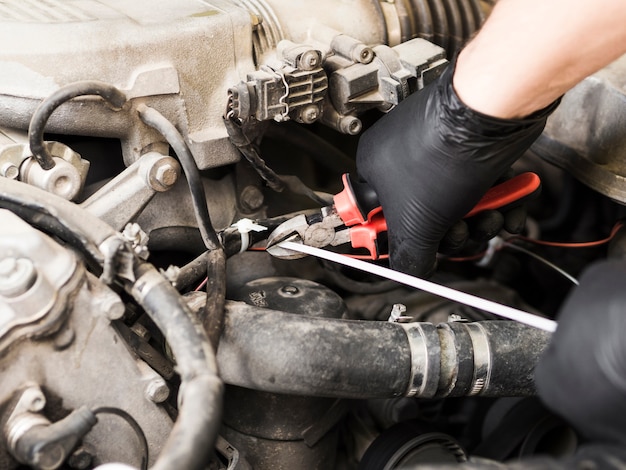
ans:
x=244 y=227
x=428 y=286
x=494 y=245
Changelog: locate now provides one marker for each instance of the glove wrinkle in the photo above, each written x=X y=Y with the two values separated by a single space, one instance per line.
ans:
x=430 y=160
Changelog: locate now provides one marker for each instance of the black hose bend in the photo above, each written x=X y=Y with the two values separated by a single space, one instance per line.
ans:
x=190 y=443
x=38 y=122
x=156 y=120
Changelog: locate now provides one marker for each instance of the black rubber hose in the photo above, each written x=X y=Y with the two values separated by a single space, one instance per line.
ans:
x=156 y=120
x=293 y=354
x=213 y=315
x=196 y=270
x=109 y=93
x=56 y=216
x=191 y=441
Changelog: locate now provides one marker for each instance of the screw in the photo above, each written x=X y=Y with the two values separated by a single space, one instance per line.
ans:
x=289 y=290
x=309 y=114
x=157 y=390
x=16 y=276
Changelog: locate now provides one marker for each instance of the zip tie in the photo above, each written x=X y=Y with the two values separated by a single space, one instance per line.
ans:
x=473 y=301
x=494 y=245
x=244 y=227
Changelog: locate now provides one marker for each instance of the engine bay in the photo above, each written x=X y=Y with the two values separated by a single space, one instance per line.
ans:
x=147 y=151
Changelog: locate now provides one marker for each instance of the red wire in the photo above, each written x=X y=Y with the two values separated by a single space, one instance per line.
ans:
x=202 y=284
x=614 y=231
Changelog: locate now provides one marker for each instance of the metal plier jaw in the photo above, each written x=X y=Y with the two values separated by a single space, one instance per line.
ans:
x=348 y=220
x=318 y=230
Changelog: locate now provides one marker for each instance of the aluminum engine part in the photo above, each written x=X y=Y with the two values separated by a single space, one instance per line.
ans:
x=174 y=57
x=36 y=280
x=67 y=177
x=58 y=333
x=355 y=77
x=585 y=135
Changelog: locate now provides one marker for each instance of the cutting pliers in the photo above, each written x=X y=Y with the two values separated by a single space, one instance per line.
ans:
x=356 y=216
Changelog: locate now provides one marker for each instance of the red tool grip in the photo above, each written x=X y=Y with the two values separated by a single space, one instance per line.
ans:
x=365 y=227
x=511 y=192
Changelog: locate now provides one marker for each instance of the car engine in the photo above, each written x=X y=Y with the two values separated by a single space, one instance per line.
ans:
x=148 y=149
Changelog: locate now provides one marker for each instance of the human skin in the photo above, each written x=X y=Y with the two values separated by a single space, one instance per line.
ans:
x=530 y=52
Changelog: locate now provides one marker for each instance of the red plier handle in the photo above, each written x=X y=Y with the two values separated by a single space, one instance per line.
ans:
x=358 y=206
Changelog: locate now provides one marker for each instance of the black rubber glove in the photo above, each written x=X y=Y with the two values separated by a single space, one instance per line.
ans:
x=582 y=374
x=430 y=160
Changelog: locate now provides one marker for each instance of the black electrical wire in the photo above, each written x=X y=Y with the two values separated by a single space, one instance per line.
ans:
x=156 y=120
x=133 y=424
x=38 y=122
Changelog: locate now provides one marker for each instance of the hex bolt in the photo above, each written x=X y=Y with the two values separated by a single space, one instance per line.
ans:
x=251 y=198
x=289 y=291
x=167 y=175
x=17 y=276
x=164 y=174
x=157 y=390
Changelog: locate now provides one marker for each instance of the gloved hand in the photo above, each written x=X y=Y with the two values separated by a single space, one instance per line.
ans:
x=582 y=374
x=430 y=160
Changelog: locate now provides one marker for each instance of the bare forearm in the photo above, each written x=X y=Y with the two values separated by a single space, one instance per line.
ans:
x=530 y=52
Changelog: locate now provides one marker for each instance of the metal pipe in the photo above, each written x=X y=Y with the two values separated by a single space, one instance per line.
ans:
x=279 y=352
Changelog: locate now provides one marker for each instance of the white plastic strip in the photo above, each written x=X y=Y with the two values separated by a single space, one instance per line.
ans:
x=428 y=286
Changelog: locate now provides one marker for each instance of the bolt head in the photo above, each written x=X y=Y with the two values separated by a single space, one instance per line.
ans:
x=157 y=390
x=309 y=114
x=164 y=174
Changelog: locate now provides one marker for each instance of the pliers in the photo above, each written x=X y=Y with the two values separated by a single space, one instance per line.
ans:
x=356 y=216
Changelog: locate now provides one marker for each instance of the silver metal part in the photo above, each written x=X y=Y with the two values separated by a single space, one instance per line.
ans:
x=425 y=353
x=482 y=358
x=94 y=369
x=66 y=179
x=120 y=200
x=35 y=274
